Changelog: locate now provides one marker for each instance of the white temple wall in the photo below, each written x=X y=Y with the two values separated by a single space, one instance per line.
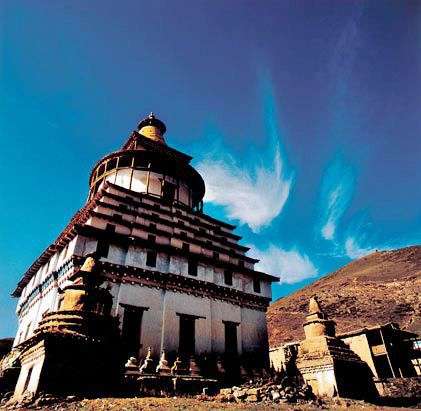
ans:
x=30 y=318
x=151 y=333
x=266 y=289
x=139 y=181
x=71 y=248
x=149 y=298
x=184 y=194
x=359 y=344
x=253 y=329
x=187 y=304
x=116 y=254
x=161 y=315
x=135 y=257
x=155 y=184
x=178 y=265
x=36 y=366
x=86 y=245
x=222 y=311
x=123 y=177
x=206 y=273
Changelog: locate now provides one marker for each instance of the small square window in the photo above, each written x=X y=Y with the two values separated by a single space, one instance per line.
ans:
x=168 y=192
x=241 y=263
x=228 y=277
x=102 y=248
x=117 y=217
x=183 y=234
x=216 y=255
x=111 y=164
x=186 y=247
x=125 y=161
x=101 y=169
x=110 y=228
x=192 y=268
x=256 y=285
x=151 y=258
x=152 y=226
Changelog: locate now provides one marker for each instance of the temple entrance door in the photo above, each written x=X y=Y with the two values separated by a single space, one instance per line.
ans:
x=187 y=339
x=132 y=323
x=231 y=338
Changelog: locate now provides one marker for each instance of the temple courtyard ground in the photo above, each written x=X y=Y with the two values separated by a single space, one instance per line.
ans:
x=155 y=404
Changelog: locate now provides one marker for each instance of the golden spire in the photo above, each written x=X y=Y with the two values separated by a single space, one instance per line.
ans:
x=153 y=128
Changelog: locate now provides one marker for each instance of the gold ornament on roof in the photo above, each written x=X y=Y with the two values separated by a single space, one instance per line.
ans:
x=152 y=128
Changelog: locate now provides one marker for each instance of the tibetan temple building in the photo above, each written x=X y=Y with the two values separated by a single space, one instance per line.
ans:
x=173 y=279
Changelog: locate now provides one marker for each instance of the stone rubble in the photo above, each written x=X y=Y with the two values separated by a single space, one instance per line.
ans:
x=39 y=401
x=269 y=390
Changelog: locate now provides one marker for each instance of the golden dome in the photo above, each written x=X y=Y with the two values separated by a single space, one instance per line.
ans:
x=153 y=128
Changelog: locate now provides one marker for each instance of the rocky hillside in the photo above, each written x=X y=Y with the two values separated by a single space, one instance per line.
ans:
x=5 y=346
x=379 y=288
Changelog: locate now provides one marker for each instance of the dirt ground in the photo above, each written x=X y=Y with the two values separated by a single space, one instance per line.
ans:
x=158 y=404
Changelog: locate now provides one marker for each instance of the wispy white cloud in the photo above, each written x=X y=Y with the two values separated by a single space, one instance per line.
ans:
x=336 y=194
x=290 y=266
x=253 y=197
x=353 y=250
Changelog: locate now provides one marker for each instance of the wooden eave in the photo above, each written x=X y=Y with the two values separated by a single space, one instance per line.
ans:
x=82 y=216
x=220 y=237
x=163 y=233
x=125 y=240
x=164 y=280
x=151 y=145
x=206 y=217
x=64 y=238
x=196 y=221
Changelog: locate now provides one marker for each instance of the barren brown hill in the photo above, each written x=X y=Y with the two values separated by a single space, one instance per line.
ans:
x=379 y=288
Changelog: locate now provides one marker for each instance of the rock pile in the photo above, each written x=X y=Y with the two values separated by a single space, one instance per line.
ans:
x=271 y=391
x=30 y=400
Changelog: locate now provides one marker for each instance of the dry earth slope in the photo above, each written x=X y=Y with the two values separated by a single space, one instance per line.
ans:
x=381 y=287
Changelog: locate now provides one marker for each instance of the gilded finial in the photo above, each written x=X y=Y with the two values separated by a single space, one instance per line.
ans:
x=152 y=128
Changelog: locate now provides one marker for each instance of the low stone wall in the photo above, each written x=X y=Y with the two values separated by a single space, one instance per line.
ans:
x=400 y=387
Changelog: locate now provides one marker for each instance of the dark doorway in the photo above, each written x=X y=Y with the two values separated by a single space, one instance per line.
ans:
x=231 y=338
x=187 y=340
x=382 y=366
x=131 y=332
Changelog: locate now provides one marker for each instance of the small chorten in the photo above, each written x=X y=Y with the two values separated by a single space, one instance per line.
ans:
x=326 y=362
x=317 y=323
x=147 y=366
x=163 y=367
x=153 y=128
x=194 y=369
x=178 y=367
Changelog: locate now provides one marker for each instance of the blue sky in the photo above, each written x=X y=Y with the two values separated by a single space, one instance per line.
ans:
x=303 y=117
